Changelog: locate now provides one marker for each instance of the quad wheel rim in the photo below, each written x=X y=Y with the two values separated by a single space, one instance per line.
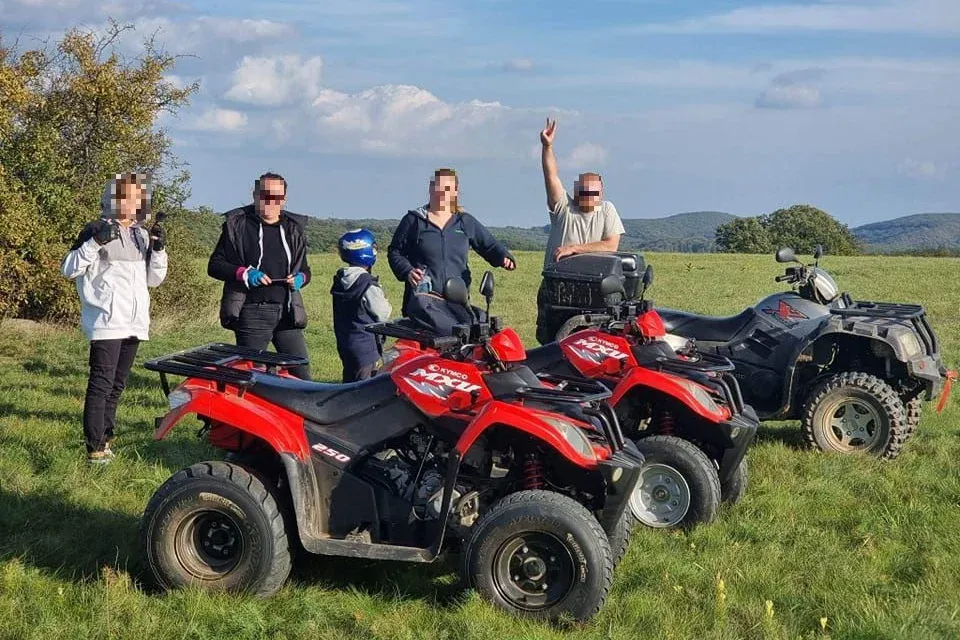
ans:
x=533 y=570
x=851 y=424
x=209 y=544
x=662 y=497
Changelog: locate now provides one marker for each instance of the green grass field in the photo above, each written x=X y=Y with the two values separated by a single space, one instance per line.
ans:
x=822 y=546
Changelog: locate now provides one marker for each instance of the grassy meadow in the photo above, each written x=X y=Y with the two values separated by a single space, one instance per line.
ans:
x=822 y=546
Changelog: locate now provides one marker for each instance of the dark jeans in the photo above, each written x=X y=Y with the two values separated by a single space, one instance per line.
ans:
x=545 y=329
x=110 y=362
x=261 y=323
x=355 y=375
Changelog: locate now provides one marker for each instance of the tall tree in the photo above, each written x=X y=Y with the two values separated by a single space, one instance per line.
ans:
x=743 y=235
x=72 y=116
x=803 y=226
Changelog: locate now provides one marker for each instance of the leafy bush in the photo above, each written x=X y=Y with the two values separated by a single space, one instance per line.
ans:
x=69 y=120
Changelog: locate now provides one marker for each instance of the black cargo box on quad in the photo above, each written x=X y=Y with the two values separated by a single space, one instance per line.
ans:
x=572 y=286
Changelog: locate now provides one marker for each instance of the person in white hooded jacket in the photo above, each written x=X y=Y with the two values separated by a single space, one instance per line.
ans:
x=113 y=262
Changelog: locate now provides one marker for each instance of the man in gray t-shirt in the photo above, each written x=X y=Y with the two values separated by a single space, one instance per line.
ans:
x=580 y=223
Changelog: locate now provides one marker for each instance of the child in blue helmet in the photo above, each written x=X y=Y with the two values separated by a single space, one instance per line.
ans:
x=358 y=301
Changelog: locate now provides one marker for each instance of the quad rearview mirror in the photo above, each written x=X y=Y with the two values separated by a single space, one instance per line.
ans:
x=786 y=254
x=817 y=252
x=486 y=285
x=455 y=291
x=648 y=276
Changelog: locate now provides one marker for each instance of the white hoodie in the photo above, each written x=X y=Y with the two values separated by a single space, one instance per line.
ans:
x=112 y=279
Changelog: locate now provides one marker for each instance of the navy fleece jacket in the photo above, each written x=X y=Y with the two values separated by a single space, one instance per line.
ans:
x=442 y=253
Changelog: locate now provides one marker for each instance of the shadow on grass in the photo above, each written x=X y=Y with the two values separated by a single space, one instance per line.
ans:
x=786 y=433
x=437 y=583
x=14 y=411
x=46 y=530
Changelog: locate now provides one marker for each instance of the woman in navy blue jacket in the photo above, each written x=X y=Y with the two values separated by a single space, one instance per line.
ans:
x=431 y=242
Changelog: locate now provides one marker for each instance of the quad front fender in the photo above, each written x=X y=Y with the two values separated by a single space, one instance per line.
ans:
x=227 y=411
x=497 y=414
x=671 y=385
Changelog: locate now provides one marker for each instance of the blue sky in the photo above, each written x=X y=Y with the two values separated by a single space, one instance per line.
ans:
x=745 y=107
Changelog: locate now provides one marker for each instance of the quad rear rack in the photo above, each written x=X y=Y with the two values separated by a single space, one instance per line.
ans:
x=212 y=362
x=915 y=314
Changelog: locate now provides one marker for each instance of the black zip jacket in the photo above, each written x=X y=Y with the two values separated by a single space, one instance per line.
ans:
x=239 y=246
x=442 y=253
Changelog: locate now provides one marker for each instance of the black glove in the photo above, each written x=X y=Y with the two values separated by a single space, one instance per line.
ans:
x=106 y=232
x=159 y=237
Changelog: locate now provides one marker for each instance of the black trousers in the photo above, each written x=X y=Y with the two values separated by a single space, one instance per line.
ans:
x=110 y=363
x=262 y=323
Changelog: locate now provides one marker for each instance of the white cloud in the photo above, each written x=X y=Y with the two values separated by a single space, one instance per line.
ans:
x=797 y=96
x=408 y=119
x=921 y=170
x=585 y=156
x=275 y=81
x=518 y=65
x=217 y=120
x=884 y=16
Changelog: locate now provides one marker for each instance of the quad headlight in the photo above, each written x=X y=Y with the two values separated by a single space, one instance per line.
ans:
x=701 y=395
x=910 y=345
x=572 y=434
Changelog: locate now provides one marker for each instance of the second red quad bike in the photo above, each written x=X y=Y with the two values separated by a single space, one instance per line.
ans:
x=684 y=410
x=530 y=484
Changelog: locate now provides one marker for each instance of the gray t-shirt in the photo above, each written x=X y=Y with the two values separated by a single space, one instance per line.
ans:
x=568 y=225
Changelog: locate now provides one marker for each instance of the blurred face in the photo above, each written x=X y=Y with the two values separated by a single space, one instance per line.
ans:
x=442 y=190
x=129 y=199
x=588 y=192
x=270 y=198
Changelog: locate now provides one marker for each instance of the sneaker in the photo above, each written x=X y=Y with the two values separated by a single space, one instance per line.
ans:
x=100 y=457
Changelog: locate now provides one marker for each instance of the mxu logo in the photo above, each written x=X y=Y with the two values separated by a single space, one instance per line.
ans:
x=596 y=345
x=444 y=380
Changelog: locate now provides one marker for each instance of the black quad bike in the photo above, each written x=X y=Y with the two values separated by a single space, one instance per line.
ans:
x=854 y=372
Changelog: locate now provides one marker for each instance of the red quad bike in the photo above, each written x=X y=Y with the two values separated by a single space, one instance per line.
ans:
x=529 y=483
x=684 y=410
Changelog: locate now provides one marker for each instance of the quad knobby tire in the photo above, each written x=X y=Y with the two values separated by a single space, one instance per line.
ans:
x=855 y=412
x=620 y=536
x=540 y=555
x=678 y=487
x=733 y=489
x=216 y=526
x=913 y=408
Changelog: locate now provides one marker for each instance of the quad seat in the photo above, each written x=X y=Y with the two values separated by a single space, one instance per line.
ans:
x=705 y=328
x=324 y=403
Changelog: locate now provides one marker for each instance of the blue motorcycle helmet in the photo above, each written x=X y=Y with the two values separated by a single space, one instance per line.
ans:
x=358 y=248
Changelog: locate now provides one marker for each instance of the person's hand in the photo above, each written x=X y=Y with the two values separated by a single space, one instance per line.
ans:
x=546 y=136
x=257 y=278
x=295 y=281
x=106 y=232
x=158 y=236
x=508 y=264
x=414 y=277
x=563 y=252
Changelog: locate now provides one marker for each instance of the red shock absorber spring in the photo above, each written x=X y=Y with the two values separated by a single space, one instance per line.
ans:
x=666 y=423
x=532 y=473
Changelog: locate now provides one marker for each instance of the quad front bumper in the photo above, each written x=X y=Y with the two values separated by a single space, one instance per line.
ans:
x=621 y=473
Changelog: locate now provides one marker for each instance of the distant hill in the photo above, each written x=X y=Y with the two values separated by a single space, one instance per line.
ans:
x=923 y=231
x=691 y=232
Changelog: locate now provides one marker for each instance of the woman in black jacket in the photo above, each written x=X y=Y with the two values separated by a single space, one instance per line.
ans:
x=431 y=242
x=261 y=257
